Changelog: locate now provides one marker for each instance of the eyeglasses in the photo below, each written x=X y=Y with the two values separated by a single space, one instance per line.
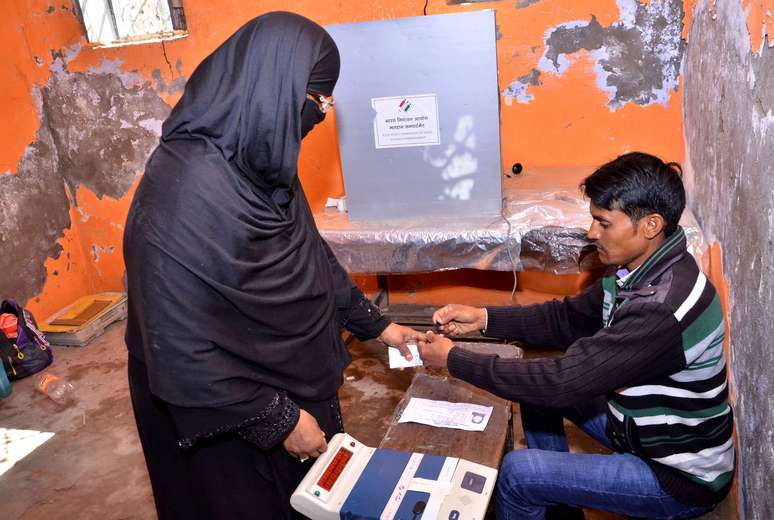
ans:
x=324 y=103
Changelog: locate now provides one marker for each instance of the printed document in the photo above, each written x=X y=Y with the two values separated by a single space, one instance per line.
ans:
x=443 y=414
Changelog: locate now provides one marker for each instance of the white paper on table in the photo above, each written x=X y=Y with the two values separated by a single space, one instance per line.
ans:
x=443 y=414
x=398 y=361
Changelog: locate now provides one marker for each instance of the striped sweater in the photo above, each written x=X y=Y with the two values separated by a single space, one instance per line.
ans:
x=653 y=345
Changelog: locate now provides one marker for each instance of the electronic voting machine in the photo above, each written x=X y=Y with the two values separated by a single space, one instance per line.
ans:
x=352 y=481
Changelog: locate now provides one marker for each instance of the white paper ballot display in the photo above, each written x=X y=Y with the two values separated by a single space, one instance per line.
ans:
x=351 y=480
x=443 y=414
x=417 y=114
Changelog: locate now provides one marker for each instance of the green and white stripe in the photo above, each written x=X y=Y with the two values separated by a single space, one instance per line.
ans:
x=693 y=297
x=636 y=391
x=662 y=415
x=707 y=464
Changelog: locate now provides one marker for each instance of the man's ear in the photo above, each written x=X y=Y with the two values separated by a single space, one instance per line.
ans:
x=652 y=225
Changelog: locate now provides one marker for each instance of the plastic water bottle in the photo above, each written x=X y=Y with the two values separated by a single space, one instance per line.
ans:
x=56 y=388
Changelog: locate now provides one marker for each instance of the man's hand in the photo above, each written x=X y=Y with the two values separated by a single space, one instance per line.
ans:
x=397 y=336
x=454 y=320
x=307 y=439
x=435 y=351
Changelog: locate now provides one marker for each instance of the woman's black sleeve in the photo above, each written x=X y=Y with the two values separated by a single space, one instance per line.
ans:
x=264 y=421
x=357 y=314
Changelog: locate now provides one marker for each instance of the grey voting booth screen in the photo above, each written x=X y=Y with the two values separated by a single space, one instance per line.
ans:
x=418 y=118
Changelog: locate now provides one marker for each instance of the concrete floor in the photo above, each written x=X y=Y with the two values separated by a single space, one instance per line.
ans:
x=93 y=467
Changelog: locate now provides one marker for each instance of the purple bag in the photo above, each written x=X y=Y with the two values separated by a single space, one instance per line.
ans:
x=29 y=352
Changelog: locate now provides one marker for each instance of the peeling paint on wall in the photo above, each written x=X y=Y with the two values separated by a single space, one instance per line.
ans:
x=97 y=129
x=176 y=86
x=729 y=132
x=636 y=59
x=518 y=89
x=521 y=4
x=97 y=251
x=104 y=124
x=33 y=214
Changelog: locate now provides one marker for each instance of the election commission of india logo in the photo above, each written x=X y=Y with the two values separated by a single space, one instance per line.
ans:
x=405 y=105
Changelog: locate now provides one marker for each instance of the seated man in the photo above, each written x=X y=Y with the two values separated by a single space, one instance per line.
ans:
x=643 y=369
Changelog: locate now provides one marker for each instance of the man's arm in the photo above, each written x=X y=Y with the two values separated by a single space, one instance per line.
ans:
x=644 y=344
x=553 y=324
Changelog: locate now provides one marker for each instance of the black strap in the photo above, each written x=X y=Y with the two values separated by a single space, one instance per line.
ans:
x=7 y=352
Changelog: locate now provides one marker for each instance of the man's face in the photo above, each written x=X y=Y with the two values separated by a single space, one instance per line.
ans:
x=618 y=241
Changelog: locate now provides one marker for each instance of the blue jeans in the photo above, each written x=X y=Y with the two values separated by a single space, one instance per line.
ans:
x=546 y=475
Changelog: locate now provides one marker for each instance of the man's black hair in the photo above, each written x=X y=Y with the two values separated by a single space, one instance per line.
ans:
x=639 y=184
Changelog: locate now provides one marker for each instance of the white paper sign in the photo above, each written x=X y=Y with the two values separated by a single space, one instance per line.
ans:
x=404 y=121
x=443 y=414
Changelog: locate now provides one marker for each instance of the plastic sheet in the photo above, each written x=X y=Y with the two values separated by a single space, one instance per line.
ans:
x=541 y=230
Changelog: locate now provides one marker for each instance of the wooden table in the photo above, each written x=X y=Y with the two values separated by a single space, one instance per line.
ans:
x=484 y=447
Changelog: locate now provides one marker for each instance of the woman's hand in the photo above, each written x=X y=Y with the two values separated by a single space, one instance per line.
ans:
x=455 y=320
x=397 y=336
x=307 y=439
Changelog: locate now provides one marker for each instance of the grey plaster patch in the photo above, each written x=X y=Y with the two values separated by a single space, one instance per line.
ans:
x=96 y=129
x=97 y=251
x=102 y=129
x=729 y=131
x=518 y=89
x=569 y=39
x=72 y=52
x=33 y=215
x=521 y=4
x=176 y=85
x=637 y=59
x=128 y=79
x=532 y=77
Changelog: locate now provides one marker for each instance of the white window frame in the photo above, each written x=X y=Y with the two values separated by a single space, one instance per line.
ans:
x=121 y=22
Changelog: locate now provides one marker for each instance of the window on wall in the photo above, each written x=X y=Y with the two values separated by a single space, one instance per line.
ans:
x=116 y=22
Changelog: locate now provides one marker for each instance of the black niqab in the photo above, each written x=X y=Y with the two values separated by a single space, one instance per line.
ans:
x=230 y=285
x=245 y=98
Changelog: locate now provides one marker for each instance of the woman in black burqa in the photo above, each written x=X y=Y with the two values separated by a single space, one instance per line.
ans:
x=235 y=301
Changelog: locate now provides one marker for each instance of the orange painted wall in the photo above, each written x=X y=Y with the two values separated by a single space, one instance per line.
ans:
x=567 y=124
x=482 y=288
